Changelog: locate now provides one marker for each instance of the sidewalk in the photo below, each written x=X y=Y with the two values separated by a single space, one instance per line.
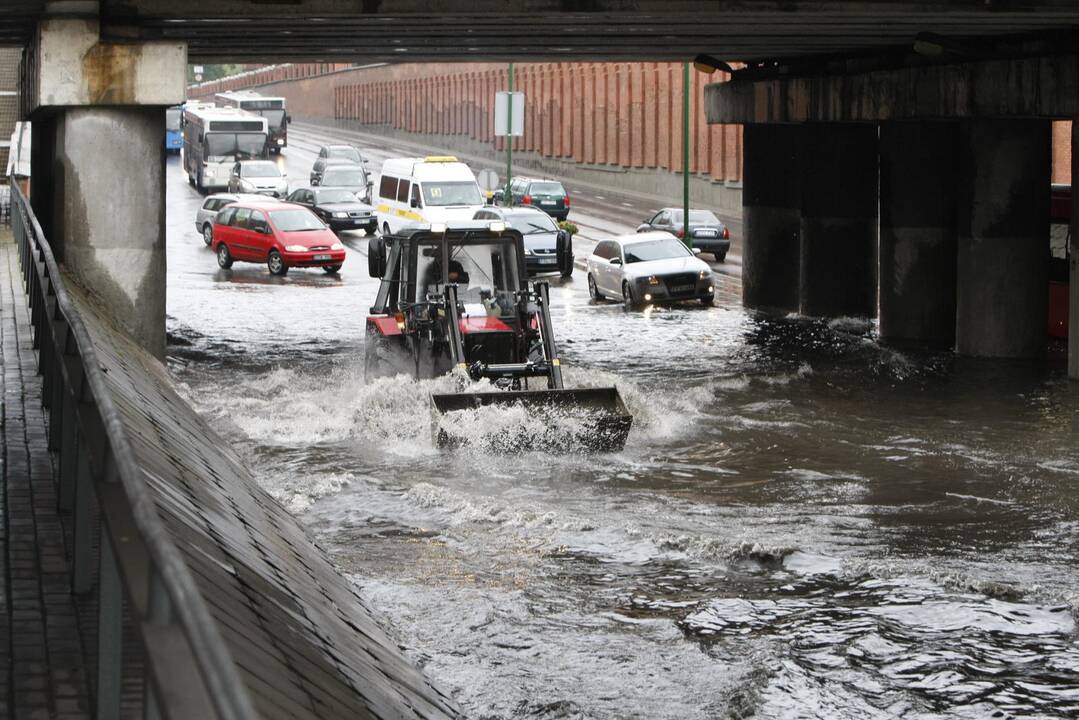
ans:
x=42 y=669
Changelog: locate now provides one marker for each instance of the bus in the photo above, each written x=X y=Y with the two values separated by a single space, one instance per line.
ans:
x=215 y=138
x=271 y=108
x=174 y=138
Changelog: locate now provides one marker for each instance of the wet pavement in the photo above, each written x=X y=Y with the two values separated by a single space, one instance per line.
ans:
x=804 y=524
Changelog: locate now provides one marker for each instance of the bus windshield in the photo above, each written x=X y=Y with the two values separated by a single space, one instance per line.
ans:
x=221 y=145
x=451 y=193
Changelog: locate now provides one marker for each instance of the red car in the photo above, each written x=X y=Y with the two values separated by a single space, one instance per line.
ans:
x=279 y=234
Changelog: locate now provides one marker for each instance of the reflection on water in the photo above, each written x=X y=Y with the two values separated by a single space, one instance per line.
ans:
x=804 y=524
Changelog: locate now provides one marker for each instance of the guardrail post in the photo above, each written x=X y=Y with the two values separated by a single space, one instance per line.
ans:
x=159 y=612
x=65 y=495
x=110 y=633
x=82 y=574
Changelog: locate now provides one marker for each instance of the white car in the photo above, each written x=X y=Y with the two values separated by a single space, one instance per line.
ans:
x=262 y=177
x=204 y=218
x=648 y=267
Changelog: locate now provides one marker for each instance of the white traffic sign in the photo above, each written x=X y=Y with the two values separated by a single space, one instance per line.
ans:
x=488 y=179
x=502 y=110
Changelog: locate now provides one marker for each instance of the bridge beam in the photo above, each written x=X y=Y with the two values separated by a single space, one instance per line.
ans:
x=917 y=233
x=1003 y=229
x=98 y=163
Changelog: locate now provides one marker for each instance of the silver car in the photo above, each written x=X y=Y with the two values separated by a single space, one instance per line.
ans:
x=261 y=177
x=204 y=218
x=646 y=268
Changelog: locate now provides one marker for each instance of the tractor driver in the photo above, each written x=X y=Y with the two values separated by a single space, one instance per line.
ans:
x=432 y=276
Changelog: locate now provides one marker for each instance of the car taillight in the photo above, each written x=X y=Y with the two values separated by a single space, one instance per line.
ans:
x=680 y=233
x=726 y=233
x=567 y=201
x=526 y=200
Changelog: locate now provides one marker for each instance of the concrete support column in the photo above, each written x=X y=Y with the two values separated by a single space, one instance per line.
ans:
x=1003 y=230
x=109 y=212
x=771 y=214
x=838 y=229
x=98 y=164
x=917 y=233
x=1073 y=262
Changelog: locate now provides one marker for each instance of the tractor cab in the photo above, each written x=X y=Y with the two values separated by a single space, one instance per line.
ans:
x=459 y=298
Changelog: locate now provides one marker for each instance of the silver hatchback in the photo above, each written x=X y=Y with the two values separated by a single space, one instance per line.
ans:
x=204 y=218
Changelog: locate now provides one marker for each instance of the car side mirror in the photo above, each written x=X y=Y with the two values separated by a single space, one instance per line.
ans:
x=314 y=181
x=644 y=227
x=288 y=118
x=414 y=202
x=616 y=261
x=696 y=251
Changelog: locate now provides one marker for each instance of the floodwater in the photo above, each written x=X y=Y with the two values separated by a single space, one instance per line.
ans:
x=804 y=523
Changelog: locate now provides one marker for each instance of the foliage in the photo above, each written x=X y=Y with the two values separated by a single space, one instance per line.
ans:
x=568 y=227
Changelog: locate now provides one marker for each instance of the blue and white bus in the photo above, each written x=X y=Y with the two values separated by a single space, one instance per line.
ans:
x=174 y=136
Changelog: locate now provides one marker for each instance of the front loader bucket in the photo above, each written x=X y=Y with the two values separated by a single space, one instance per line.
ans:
x=593 y=419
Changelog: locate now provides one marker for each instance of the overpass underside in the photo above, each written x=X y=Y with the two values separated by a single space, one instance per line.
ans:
x=922 y=179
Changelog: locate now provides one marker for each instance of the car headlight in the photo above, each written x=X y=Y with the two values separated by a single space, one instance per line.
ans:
x=706 y=274
x=296 y=248
x=245 y=185
x=337 y=246
x=340 y=214
x=653 y=280
x=209 y=173
x=529 y=252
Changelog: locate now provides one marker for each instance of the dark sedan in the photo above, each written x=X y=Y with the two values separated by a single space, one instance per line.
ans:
x=334 y=155
x=707 y=232
x=338 y=208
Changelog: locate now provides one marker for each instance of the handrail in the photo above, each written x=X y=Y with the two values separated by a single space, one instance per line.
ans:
x=172 y=617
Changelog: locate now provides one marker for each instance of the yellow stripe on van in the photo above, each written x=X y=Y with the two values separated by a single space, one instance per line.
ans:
x=406 y=214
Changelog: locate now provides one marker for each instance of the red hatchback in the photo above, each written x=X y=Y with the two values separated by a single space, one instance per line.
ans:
x=281 y=235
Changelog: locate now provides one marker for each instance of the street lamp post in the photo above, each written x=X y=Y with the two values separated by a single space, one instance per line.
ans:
x=509 y=137
x=687 y=237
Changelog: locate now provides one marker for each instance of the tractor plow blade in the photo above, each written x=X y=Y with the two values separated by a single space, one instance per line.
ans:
x=590 y=419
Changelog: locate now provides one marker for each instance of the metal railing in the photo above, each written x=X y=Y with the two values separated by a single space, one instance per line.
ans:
x=119 y=545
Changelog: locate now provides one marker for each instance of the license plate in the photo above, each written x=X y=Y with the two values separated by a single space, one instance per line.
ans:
x=358 y=222
x=707 y=233
x=321 y=257
x=682 y=288
x=548 y=261
x=546 y=202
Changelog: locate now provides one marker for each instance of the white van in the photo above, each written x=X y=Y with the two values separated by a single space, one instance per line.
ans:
x=423 y=191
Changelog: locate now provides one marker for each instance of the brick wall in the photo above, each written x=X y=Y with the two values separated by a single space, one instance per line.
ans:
x=626 y=115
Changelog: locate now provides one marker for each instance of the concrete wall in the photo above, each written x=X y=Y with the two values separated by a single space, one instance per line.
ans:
x=582 y=119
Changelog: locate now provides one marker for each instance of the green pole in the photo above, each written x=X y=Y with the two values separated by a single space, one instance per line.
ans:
x=687 y=239
x=509 y=138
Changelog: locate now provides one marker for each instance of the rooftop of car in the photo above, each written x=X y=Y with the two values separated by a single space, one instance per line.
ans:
x=518 y=210
x=270 y=204
x=642 y=237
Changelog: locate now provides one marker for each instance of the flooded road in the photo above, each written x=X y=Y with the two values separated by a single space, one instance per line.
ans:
x=804 y=524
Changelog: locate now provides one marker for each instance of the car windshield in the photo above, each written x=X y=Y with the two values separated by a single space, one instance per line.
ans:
x=346 y=153
x=261 y=169
x=221 y=145
x=451 y=193
x=295 y=220
x=172 y=119
x=697 y=217
x=349 y=177
x=659 y=249
x=546 y=188
x=531 y=223
x=334 y=196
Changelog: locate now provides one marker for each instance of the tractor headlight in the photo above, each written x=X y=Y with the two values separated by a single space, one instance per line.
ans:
x=280 y=141
x=340 y=214
x=337 y=246
x=296 y=248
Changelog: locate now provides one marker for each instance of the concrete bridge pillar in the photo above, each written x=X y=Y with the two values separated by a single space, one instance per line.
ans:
x=917 y=233
x=1003 y=229
x=838 y=177
x=771 y=205
x=99 y=175
x=1073 y=263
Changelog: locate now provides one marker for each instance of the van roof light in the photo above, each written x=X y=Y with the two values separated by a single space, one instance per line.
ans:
x=440 y=158
x=438 y=227
x=497 y=226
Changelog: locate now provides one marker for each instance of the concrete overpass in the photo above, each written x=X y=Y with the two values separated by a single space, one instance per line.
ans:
x=924 y=122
